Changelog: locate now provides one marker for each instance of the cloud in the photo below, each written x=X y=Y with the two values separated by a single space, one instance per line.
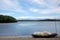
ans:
x=53 y=2
x=38 y=17
x=45 y=6
x=48 y=3
x=8 y=4
x=35 y=1
x=45 y=11
x=6 y=13
x=33 y=10
x=38 y=1
x=11 y=5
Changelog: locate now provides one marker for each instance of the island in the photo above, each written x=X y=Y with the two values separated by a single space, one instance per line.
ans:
x=7 y=19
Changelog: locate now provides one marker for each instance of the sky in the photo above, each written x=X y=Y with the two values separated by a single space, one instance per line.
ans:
x=31 y=9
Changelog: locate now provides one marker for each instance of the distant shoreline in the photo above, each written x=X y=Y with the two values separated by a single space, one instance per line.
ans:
x=38 y=20
x=42 y=20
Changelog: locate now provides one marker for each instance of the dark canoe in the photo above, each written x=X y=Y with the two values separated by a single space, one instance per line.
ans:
x=48 y=36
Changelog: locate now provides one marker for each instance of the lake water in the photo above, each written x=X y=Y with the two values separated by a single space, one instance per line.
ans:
x=26 y=28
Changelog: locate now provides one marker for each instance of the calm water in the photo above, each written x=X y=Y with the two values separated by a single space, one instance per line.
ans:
x=26 y=28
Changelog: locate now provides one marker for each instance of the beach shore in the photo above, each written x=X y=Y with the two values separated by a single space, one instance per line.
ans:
x=25 y=38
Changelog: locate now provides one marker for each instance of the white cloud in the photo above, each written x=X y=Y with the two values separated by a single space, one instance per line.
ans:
x=50 y=11
x=52 y=6
x=11 y=5
x=53 y=2
x=33 y=10
x=35 y=1
x=6 y=13
x=14 y=6
x=39 y=11
x=48 y=3
x=38 y=1
x=8 y=4
x=56 y=10
x=45 y=11
x=38 y=17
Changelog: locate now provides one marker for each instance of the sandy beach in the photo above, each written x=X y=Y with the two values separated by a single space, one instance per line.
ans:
x=25 y=38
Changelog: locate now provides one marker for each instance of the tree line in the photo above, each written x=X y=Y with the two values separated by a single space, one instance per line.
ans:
x=7 y=19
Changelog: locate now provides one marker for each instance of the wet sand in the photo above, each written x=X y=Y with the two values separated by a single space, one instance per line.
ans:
x=25 y=38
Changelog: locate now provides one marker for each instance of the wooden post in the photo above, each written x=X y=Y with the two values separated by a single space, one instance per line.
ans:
x=55 y=25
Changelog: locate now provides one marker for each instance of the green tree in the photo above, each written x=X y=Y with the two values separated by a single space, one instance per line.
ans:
x=7 y=19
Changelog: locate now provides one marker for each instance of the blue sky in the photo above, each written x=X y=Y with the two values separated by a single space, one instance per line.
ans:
x=31 y=9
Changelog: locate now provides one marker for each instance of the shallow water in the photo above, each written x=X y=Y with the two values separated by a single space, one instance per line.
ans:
x=25 y=28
